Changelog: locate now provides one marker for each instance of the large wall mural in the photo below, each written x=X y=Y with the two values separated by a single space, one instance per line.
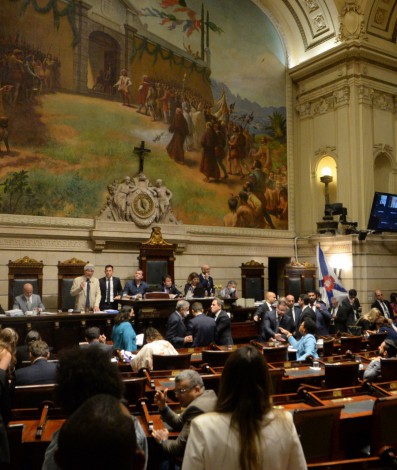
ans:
x=201 y=83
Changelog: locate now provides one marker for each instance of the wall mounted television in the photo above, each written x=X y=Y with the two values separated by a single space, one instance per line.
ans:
x=383 y=216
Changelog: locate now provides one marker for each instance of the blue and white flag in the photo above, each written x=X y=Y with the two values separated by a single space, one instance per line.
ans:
x=329 y=283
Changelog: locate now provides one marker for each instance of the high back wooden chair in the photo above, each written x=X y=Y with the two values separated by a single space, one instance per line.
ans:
x=32 y=396
x=388 y=369
x=350 y=343
x=21 y=271
x=375 y=340
x=180 y=361
x=67 y=271
x=344 y=374
x=134 y=389
x=319 y=446
x=384 y=418
x=328 y=347
x=215 y=358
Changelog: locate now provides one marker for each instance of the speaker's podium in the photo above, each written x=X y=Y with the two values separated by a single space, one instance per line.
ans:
x=156 y=258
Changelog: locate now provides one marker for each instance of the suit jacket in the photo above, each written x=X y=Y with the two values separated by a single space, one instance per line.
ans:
x=81 y=294
x=261 y=313
x=270 y=324
x=377 y=305
x=308 y=312
x=181 y=422
x=344 y=314
x=208 y=284
x=171 y=290
x=223 y=329
x=203 y=330
x=40 y=372
x=20 y=302
x=323 y=318
x=117 y=290
x=297 y=321
x=176 y=330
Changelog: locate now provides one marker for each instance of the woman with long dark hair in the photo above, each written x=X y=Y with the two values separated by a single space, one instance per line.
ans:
x=123 y=335
x=244 y=432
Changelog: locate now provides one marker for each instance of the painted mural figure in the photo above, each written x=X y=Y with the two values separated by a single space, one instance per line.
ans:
x=123 y=86
x=15 y=73
x=209 y=166
x=180 y=129
x=143 y=94
x=236 y=151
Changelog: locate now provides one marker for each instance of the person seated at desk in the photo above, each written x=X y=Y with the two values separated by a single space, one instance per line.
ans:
x=387 y=350
x=111 y=290
x=193 y=282
x=22 y=353
x=94 y=338
x=176 y=328
x=136 y=287
x=230 y=291
x=83 y=373
x=191 y=393
x=123 y=334
x=307 y=345
x=156 y=344
x=28 y=301
x=41 y=371
x=384 y=325
x=168 y=287
x=101 y=422
x=244 y=431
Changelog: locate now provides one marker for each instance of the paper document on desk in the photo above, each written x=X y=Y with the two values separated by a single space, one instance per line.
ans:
x=16 y=312
x=139 y=339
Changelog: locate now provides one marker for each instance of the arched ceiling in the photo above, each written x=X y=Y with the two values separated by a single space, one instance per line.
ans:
x=310 y=27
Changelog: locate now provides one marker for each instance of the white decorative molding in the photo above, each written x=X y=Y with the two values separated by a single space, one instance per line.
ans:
x=43 y=243
x=351 y=22
x=35 y=221
x=319 y=22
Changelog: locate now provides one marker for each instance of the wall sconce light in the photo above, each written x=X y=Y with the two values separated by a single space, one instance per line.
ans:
x=326 y=178
x=327 y=224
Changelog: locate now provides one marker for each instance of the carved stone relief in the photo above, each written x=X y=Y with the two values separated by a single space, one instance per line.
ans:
x=351 y=22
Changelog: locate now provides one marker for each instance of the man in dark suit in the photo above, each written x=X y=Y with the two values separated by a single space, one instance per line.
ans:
x=41 y=371
x=293 y=311
x=307 y=311
x=96 y=340
x=176 y=329
x=111 y=290
x=275 y=319
x=323 y=317
x=168 y=287
x=223 y=323
x=383 y=305
x=206 y=280
x=202 y=328
x=259 y=316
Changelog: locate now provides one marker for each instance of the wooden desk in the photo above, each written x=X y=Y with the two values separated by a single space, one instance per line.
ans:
x=59 y=330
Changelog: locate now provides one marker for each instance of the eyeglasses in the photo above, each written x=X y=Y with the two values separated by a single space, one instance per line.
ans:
x=183 y=390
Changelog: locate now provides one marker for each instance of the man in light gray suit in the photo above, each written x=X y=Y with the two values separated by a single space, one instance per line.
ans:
x=28 y=301
x=87 y=291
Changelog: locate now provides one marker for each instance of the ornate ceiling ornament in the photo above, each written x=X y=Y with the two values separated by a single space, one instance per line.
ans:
x=351 y=22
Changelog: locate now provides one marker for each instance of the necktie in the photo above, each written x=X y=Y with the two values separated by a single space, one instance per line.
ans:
x=87 y=299
x=385 y=311
x=29 y=303
x=108 y=292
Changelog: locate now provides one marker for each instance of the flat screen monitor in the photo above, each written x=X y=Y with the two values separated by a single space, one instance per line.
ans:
x=383 y=216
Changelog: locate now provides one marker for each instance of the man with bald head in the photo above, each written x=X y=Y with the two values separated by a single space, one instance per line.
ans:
x=206 y=280
x=260 y=314
x=28 y=301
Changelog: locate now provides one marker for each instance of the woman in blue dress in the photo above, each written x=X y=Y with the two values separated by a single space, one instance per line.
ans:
x=123 y=335
x=307 y=345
